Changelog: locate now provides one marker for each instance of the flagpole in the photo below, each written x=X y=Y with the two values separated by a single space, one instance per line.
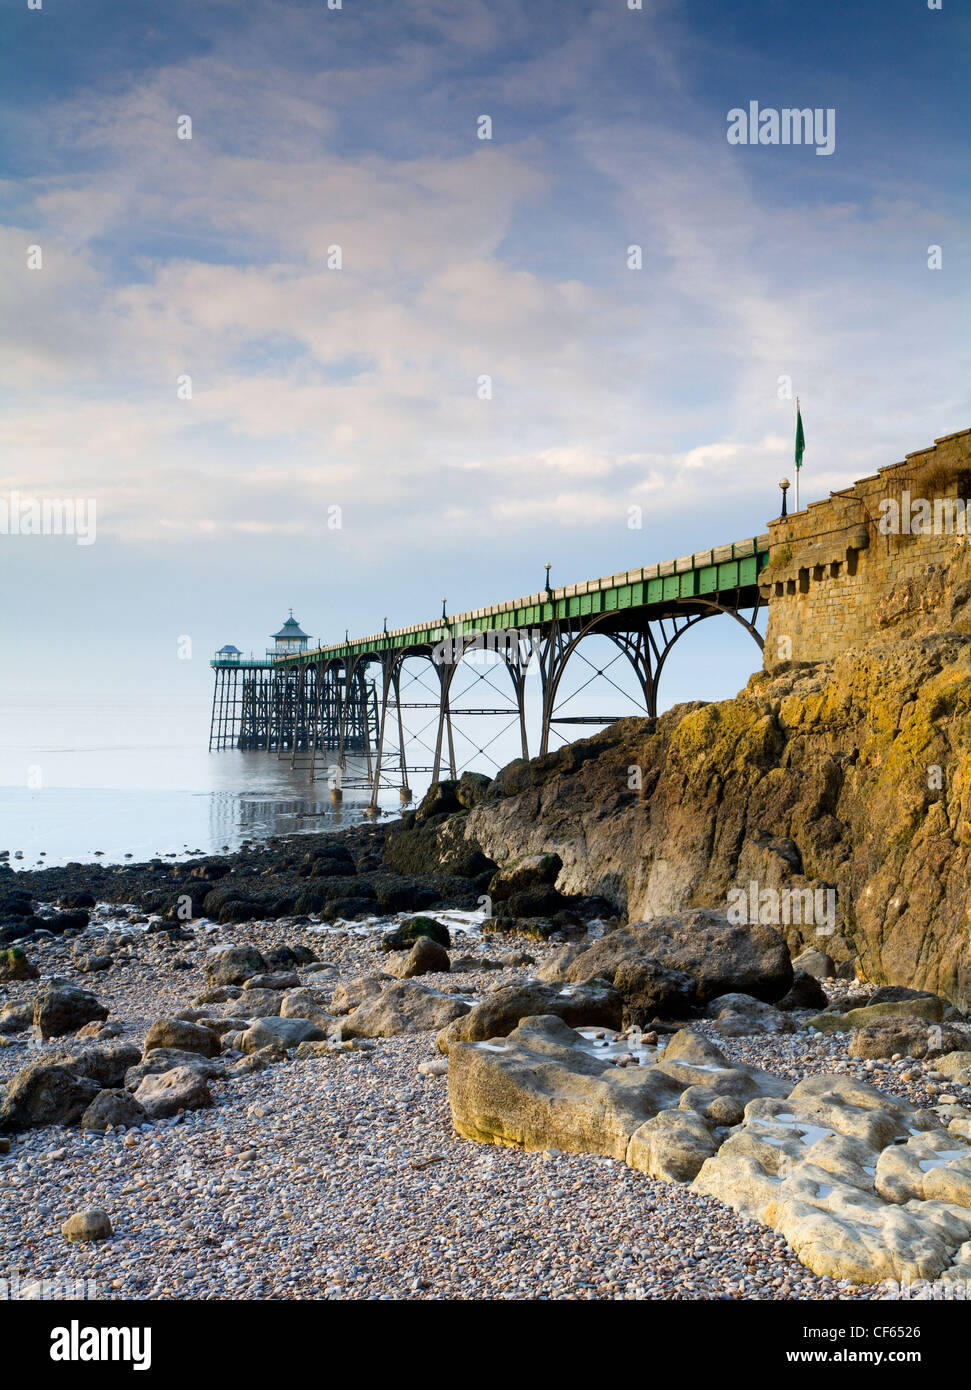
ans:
x=797 y=464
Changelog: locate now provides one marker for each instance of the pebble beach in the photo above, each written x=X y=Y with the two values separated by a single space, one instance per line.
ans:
x=341 y=1176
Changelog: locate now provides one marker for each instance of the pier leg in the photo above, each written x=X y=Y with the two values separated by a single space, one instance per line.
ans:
x=386 y=687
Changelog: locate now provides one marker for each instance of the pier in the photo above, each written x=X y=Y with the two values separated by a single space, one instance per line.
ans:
x=344 y=699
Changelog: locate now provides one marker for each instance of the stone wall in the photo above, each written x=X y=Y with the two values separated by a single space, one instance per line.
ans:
x=831 y=569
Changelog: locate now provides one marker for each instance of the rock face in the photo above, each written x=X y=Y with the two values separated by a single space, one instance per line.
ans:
x=403 y=1008
x=719 y=957
x=861 y=1185
x=594 y=1005
x=532 y=871
x=815 y=777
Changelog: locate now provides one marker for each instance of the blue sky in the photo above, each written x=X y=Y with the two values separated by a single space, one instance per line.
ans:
x=357 y=388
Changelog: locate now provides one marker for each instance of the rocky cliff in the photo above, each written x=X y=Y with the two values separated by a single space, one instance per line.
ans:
x=852 y=775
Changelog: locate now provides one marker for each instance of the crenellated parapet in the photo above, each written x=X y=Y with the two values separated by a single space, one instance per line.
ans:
x=833 y=565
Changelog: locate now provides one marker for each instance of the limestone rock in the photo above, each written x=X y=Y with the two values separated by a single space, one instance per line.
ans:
x=280 y=1032
x=806 y=993
x=113 y=1109
x=555 y=968
x=276 y=979
x=740 y=1016
x=63 y=1008
x=91 y=1224
x=405 y=1007
x=45 y=1093
x=593 y=1005
x=931 y=1167
x=955 y=1064
x=352 y=993
x=784 y=754
x=162 y=1059
x=542 y=1087
x=426 y=957
x=650 y=990
x=185 y=1037
x=16 y=1018
x=255 y=1003
x=673 y=1146
x=721 y=957
x=164 y=1094
x=531 y=871
x=234 y=965
x=14 y=965
x=307 y=1003
x=105 y=1062
x=927 y=1007
x=816 y=963
x=911 y=1037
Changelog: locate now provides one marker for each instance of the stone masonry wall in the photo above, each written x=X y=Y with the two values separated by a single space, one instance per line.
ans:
x=831 y=569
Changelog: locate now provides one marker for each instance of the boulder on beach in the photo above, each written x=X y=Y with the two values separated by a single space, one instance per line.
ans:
x=162 y=1059
x=105 y=1062
x=61 y=1008
x=280 y=1033
x=234 y=965
x=741 y=1016
x=186 y=1037
x=594 y=1005
x=114 y=1109
x=908 y=1036
x=164 y=1094
x=15 y=965
x=543 y=1087
x=405 y=936
x=927 y=1007
x=90 y=1224
x=719 y=956
x=16 y=1018
x=426 y=957
x=401 y=1008
x=45 y=1093
x=351 y=993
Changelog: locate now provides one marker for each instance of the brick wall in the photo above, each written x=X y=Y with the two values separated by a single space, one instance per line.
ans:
x=830 y=566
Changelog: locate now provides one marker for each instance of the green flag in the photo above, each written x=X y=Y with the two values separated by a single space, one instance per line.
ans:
x=800 y=437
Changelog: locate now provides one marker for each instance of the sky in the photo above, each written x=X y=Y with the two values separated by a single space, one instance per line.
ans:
x=353 y=395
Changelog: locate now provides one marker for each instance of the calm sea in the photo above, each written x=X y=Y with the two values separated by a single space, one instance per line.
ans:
x=90 y=779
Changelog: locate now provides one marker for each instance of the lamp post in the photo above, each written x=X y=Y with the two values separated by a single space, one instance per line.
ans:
x=549 y=591
x=784 y=485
